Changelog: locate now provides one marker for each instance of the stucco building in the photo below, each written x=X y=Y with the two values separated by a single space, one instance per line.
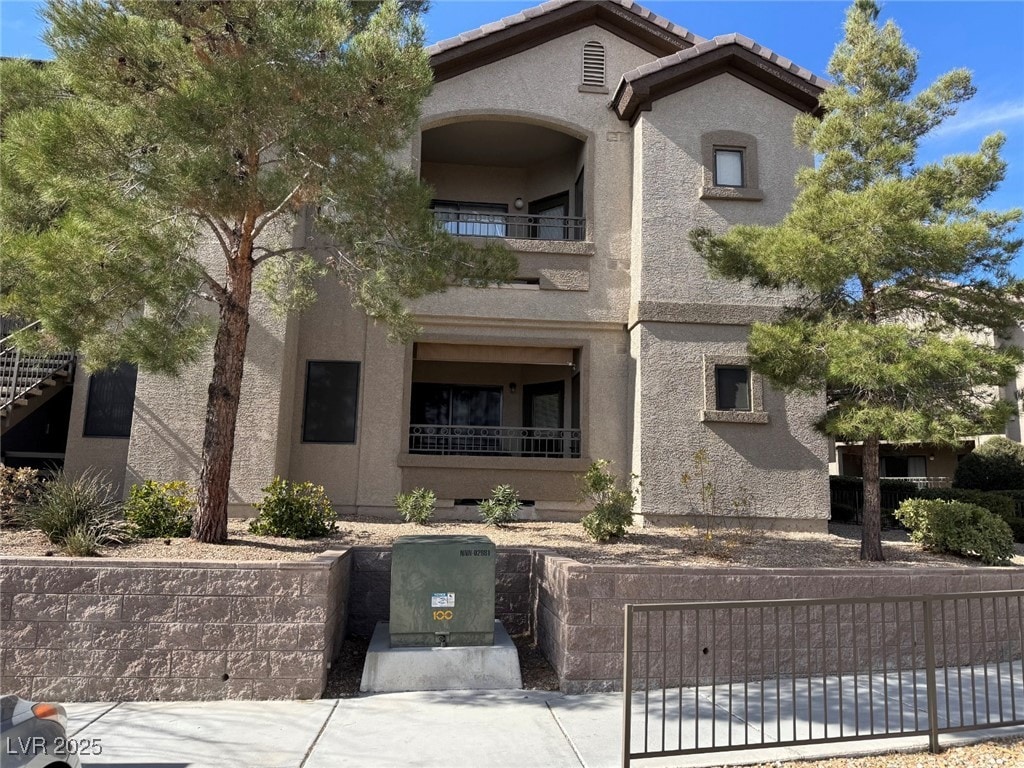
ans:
x=590 y=137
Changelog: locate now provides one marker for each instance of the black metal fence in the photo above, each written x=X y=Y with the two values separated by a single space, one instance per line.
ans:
x=719 y=676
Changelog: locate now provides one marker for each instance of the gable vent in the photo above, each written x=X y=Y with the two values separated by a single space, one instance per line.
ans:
x=593 y=63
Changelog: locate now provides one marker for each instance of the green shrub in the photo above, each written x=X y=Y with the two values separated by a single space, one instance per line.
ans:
x=77 y=509
x=82 y=541
x=417 y=506
x=293 y=510
x=17 y=487
x=1017 y=526
x=613 y=504
x=1018 y=501
x=958 y=528
x=995 y=465
x=160 y=510
x=502 y=508
x=996 y=503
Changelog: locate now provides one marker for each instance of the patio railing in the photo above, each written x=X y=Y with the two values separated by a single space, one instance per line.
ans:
x=512 y=225
x=494 y=441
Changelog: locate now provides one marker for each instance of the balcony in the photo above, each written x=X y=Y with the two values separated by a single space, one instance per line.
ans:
x=506 y=179
x=523 y=442
x=470 y=223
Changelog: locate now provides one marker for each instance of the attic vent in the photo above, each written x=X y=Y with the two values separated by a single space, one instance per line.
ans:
x=593 y=63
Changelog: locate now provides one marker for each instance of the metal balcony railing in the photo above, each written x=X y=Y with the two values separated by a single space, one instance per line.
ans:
x=512 y=225
x=494 y=441
x=21 y=372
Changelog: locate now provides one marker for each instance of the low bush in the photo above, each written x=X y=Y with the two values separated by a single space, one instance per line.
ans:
x=417 y=506
x=17 y=487
x=160 y=510
x=995 y=465
x=613 y=504
x=995 y=503
x=958 y=528
x=502 y=508
x=293 y=510
x=77 y=513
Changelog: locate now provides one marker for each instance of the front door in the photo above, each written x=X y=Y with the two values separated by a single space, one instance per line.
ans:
x=543 y=413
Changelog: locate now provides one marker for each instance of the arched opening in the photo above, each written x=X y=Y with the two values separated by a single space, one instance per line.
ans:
x=499 y=178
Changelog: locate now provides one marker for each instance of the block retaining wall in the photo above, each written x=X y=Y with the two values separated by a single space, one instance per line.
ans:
x=579 y=622
x=130 y=630
x=370 y=597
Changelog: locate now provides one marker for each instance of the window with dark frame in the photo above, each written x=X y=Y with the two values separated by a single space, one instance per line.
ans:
x=728 y=167
x=111 y=399
x=732 y=388
x=331 y=402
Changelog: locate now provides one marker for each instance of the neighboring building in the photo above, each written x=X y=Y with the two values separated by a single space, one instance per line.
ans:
x=590 y=138
x=934 y=465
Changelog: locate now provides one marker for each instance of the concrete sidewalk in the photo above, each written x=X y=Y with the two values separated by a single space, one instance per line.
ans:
x=472 y=729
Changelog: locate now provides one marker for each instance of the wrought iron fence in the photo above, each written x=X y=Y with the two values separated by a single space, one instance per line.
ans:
x=710 y=677
x=494 y=441
x=512 y=225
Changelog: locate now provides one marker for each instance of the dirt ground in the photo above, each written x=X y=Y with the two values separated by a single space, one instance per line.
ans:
x=839 y=548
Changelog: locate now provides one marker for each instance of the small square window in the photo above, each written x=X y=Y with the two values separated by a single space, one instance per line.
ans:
x=728 y=167
x=732 y=388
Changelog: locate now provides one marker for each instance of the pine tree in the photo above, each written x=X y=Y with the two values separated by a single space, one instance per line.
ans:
x=164 y=130
x=901 y=272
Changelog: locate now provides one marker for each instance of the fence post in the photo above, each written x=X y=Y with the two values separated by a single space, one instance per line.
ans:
x=627 y=685
x=929 y=663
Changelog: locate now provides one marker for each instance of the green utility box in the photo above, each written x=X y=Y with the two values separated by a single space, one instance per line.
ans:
x=442 y=591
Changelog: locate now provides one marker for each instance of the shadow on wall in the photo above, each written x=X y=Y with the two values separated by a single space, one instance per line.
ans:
x=775 y=448
x=172 y=445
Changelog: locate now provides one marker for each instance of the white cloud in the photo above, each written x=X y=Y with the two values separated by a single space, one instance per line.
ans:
x=995 y=116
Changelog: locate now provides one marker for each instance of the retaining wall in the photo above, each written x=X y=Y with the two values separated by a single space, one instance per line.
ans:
x=370 y=595
x=129 y=630
x=579 y=623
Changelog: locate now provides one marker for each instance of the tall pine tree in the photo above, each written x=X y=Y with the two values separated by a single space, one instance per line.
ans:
x=899 y=265
x=164 y=128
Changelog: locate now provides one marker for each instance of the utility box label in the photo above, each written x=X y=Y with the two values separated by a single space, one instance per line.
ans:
x=442 y=600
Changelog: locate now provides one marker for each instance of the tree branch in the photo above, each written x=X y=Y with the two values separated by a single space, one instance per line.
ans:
x=277 y=211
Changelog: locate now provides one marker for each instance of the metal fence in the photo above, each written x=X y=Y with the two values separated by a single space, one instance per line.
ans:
x=494 y=441
x=710 y=677
x=513 y=225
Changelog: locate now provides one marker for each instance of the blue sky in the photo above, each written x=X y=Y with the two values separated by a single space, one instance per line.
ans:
x=985 y=37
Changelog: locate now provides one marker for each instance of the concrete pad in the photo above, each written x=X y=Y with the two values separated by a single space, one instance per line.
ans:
x=454 y=729
x=209 y=734
x=82 y=714
x=455 y=668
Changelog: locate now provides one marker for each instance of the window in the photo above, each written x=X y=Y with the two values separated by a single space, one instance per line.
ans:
x=729 y=160
x=728 y=167
x=904 y=466
x=108 y=410
x=456 y=405
x=732 y=388
x=471 y=219
x=549 y=218
x=593 y=64
x=332 y=396
x=732 y=392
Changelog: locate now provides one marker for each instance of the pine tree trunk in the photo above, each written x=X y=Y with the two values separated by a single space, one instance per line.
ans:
x=871 y=522
x=211 y=522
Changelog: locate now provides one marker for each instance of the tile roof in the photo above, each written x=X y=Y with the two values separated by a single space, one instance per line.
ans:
x=684 y=35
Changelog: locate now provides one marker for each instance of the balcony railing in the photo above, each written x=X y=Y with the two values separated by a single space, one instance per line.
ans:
x=494 y=441
x=512 y=225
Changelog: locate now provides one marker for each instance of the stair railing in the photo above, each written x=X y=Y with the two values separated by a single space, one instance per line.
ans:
x=20 y=372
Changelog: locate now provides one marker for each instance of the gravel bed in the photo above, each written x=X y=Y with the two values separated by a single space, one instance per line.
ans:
x=642 y=546
x=1001 y=753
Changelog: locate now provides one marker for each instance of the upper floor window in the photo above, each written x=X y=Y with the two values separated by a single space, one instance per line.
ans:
x=730 y=170
x=331 y=402
x=728 y=167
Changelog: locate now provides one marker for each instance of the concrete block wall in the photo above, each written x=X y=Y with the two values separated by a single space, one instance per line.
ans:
x=579 y=624
x=370 y=595
x=121 y=630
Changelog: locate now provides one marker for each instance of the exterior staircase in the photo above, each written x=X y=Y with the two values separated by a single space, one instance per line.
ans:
x=28 y=380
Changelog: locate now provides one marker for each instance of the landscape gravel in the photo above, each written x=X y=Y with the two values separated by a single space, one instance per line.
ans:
x=679 y=546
